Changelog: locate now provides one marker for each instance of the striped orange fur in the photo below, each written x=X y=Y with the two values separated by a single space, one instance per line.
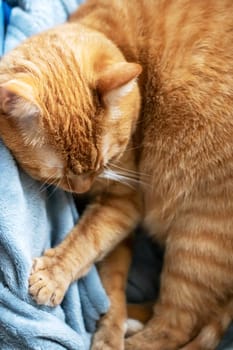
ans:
x=74 y=114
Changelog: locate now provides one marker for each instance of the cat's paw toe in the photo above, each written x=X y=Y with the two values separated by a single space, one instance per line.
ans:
x=43 y=290
x=47 y=282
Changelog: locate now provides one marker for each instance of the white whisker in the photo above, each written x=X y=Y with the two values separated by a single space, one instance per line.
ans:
x=111 y=175
x=47 y=182
x=54 y=189
x=129 y=171
x=68 y=182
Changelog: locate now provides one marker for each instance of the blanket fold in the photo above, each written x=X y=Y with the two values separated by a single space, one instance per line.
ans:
x=34 y=217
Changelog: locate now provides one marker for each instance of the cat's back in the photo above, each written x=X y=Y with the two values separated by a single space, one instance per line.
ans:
x=177 y=39
x=186 y=124
x=159 y=26
x=179 y=43
x=186 y=51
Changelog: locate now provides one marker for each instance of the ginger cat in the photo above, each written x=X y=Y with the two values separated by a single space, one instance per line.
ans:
x=75 y=114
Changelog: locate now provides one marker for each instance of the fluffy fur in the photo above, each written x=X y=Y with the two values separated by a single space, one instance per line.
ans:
x=72 y=115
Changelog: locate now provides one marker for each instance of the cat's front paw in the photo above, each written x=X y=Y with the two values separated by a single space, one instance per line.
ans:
x=108 y=338
x=49 y=281
x=151 y=338
x=137 y=342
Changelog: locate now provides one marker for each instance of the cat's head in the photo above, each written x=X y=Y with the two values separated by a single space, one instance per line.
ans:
x=68 y=105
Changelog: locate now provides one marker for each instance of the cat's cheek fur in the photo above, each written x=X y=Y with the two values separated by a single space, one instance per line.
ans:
x=109 y=149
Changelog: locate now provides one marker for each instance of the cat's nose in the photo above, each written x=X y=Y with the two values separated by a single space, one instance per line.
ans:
x=72 y=173
x=81 y=183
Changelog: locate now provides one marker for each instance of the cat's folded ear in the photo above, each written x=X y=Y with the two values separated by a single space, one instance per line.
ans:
x=17 y=99
x=118 y=79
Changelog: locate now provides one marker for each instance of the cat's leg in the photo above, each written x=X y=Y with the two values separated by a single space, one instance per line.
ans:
x=195 y=282
x=104 y=224
x=211 y=334
x=114 y=272
x=138 y=316
x=141 y=312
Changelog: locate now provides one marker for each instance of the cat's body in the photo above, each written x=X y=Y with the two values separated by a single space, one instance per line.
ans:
x=178 y=138
x=185 y=50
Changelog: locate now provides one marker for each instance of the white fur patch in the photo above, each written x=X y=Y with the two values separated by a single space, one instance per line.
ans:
x=114 y=96
x=133 y=326
x=127 y=88
x=105 y=147
x=32 y=138
x=24 y=108
x=115 y=112
x=208 y=338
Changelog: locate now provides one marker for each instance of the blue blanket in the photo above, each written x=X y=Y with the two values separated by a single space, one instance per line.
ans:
x=35 y=217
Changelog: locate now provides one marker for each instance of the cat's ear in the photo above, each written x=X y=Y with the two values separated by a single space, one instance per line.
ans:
x=17 y=99
x=118 y=79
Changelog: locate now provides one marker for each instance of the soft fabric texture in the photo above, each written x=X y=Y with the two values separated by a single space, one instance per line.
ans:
x=5 y=12
x=34 y=217
x=33 y=16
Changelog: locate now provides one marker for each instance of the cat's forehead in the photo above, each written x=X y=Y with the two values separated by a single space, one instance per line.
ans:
x=74 y=131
